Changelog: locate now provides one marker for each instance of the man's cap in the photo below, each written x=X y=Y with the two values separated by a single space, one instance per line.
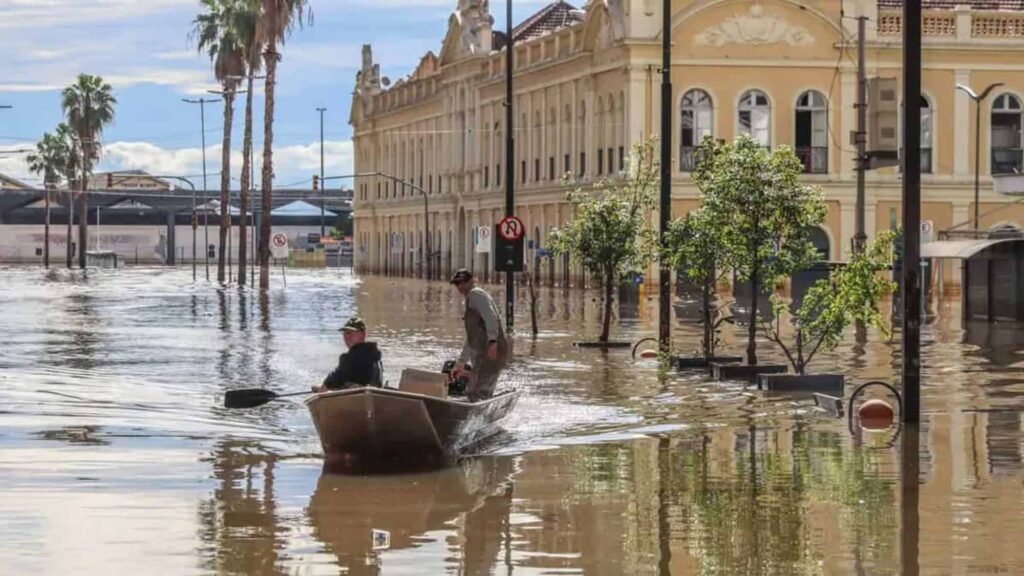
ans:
x=354 y=324
x=461 y=275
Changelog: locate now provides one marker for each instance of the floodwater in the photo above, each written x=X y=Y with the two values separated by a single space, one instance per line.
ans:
x=116 y=456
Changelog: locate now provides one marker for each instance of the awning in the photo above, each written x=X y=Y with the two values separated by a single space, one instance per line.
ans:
x=959 y=249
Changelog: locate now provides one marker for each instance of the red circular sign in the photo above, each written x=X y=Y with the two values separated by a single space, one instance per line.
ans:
x=280 y=240
x=511 y=228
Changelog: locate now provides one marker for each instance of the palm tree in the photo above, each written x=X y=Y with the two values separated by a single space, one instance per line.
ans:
x=218 y=37
x=89 y=107
x=69 y=142
x=247 y=17
x=277 y=19
x=50 y=160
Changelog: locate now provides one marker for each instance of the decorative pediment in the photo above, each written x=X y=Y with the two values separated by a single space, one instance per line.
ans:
x=755 y=28
x=470 y=30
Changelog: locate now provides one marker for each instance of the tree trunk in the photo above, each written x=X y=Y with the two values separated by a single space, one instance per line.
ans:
x=225 y=184
x=243 y=203
x=83 y=220
x=708 y=318
x=270 y=57
x=46 y=227
x=609 y=287
x=755 y=289
x=71 y=223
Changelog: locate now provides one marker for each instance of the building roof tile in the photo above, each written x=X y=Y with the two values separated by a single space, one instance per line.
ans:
x=552 y=17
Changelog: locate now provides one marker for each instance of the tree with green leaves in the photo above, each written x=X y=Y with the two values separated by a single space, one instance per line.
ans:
x=220 y=33
x=50 y=160
x=277 y=20
x=851 y=293
x=246 y=21
x=89 y=107
x=611 y=234
x=71 y=173
x=693 y=246
x=762 y=211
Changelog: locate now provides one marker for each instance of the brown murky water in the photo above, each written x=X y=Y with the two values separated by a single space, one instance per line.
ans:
x=116 y=458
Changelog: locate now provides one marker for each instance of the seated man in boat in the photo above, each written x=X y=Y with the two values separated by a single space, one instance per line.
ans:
x=486 y=350
x=360 y=366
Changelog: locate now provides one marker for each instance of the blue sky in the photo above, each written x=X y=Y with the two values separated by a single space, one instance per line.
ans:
x=142 y=48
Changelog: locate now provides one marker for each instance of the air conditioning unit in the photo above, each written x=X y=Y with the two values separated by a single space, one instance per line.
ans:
x=883 y=123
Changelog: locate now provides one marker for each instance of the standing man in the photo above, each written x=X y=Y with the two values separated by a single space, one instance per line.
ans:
x=486 y=349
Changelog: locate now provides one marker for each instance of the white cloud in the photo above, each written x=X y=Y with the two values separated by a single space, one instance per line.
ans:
x=13 y=163
x=291 y=163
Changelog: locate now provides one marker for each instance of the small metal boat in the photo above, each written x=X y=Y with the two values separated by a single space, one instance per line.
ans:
x=412 y=425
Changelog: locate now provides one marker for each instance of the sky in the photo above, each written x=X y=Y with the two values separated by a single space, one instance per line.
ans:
x=142 y=48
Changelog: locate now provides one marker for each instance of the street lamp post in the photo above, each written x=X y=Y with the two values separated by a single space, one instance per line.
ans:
x=193 y=188
x=206 y=199
x=426 y=207
x=665 y=211
x=978 y=99
x=321 y=111
x=510 y=158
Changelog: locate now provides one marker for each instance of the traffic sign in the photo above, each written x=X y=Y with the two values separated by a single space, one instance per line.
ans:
x=511 y=228
x=483 y=240
x=279 y=245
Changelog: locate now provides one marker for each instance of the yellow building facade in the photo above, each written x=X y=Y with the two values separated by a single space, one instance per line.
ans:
x=587 y=88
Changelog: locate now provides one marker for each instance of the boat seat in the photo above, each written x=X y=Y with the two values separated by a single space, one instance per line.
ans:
x=424 y=382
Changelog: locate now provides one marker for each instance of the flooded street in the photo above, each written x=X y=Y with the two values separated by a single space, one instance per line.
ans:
x=117 y=456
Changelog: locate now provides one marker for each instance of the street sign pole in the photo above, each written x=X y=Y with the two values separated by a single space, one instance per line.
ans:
x=510 y=173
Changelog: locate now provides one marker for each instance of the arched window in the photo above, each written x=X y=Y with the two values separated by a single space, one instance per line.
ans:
x=551 y=141
x=581 y=138
x=697 y=112
x=567 y=141
x=755 y=116
x=1006 y=134
x=812 y=131
x=926 y=135
x=538 y=138
x=599 y=122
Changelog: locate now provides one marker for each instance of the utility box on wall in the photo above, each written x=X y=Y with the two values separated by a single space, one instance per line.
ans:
x=883 y=123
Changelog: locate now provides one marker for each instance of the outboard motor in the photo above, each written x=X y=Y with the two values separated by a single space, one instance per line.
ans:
x=456 y=386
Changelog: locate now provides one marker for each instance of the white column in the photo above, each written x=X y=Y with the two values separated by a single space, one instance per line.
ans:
x=847 y=122
x=848 y=223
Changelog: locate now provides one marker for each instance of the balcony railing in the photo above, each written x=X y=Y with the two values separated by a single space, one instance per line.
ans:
x=688 y=158
x=814 y=158
x=1007 y=160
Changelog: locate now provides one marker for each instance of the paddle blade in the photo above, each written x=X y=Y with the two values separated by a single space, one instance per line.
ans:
x=248 y=398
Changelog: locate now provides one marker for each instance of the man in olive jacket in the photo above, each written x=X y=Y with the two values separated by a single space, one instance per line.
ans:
x=486 y=349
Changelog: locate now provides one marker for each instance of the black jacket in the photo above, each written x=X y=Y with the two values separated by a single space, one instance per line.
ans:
x=360 y=366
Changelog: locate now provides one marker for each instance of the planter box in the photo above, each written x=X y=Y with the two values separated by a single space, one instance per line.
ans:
x=745 y=371
x=830 y=384
x=689 y=362
x=604 y=345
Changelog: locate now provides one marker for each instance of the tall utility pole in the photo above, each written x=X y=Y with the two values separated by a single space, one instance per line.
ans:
x=206 y=193
x=322 y=187
x=861 y=237
x=510 y=159
x=665 y=212
x=911 y=369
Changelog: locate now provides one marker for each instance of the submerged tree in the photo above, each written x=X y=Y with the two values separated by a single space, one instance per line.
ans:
x=220 y=32
x=850 y=293
x=89 y=107
x=277 y=19
x=762 y=212
x=693 y=246
x=611 y=234
x=50 y=159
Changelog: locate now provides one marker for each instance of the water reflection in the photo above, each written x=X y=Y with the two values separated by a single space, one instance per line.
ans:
x=605 y=467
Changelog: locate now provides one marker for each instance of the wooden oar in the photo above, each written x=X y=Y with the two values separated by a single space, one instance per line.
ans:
x=253 y=397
